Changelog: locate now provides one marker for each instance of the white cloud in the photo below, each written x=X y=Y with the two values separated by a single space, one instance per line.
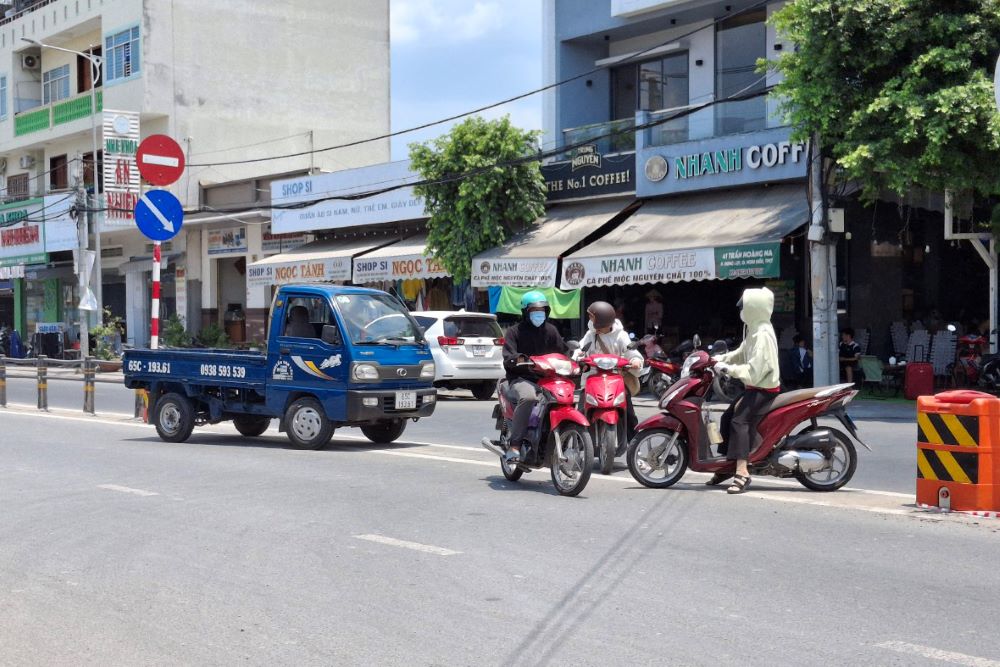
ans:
x=443 y=20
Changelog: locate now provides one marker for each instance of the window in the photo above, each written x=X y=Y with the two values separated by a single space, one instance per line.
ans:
x=376 y=319
x=17 y=186
x=121 y=54
x=739 y=43
x=55 y=85
x=85 y=71
x=306 y=316
x=88 y=170
x=3 y=96
x=650 y=86
x=472 y=327
x=58 y=173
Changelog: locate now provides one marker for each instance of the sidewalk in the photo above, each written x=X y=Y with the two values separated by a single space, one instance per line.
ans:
x=862 y=409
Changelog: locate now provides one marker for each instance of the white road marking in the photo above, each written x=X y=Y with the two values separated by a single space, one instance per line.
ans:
x=127 y=489
x=415 y=546
x=937 y=654
x=164 y=160
x=167 y=225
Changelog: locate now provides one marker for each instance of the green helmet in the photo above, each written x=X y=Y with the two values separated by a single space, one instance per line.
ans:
x=534 y=299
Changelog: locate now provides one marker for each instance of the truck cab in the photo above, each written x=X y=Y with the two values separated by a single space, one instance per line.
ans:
x=335 y=356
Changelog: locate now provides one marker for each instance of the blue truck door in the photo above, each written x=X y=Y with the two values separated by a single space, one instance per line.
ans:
x=306 y=363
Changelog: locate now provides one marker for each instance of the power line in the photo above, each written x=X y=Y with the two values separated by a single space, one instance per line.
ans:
x=625 y=60
x=451 y=178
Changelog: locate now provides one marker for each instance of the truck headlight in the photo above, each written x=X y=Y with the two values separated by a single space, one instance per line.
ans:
x=427 y=372
x=365 y=372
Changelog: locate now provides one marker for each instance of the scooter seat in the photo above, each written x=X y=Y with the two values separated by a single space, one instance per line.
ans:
x=800 y=395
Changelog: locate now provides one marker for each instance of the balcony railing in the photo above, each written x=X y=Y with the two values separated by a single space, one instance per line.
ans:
x=58 y=113
x=719 y=120
x=616 y=136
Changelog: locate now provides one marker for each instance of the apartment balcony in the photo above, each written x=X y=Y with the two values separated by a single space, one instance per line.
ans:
x=616 y=136
x=58 y=113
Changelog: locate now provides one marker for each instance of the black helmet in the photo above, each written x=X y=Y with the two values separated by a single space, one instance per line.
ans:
x=603 y=312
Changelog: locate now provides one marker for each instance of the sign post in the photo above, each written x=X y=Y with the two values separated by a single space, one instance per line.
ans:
x=159 y=214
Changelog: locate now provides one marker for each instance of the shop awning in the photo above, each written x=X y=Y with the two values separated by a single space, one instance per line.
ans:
x=143 y=264
x=731 y=234
x=402 y=260
x=530 y=259
x=316 y=262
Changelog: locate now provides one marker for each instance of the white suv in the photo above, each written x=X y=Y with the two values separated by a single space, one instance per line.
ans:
x=467 y=350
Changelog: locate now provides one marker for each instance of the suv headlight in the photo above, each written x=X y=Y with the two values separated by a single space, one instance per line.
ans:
x=427 y=372
x=365 y=372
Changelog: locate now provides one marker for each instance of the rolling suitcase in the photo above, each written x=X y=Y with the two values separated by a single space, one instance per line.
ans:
x=918 y=379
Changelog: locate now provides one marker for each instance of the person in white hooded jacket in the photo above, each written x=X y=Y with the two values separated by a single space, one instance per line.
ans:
x=606 y=335
x=755 y=362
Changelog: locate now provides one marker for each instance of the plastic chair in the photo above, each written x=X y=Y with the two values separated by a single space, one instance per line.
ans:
x=871 y=368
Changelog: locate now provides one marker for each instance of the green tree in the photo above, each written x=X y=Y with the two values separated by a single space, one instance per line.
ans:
x=900 y=91
x=480 y=211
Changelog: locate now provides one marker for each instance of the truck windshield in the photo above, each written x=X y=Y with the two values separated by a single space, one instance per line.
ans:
x=377 y=318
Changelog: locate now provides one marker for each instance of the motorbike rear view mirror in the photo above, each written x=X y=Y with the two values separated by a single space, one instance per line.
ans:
x=631 y=335
x=331 y=335
x=696 y=340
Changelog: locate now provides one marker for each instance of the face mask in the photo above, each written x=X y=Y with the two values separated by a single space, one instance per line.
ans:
x=537 y=318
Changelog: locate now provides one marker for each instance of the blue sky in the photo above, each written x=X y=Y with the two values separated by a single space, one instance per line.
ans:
x=449 y=56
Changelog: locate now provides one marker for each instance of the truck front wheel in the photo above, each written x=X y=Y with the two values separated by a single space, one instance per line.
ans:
x=251 y=426
x=174 y=417
x=384 y=432
x=307 y=424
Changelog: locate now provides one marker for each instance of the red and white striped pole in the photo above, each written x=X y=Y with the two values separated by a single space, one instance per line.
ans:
x=154 y=329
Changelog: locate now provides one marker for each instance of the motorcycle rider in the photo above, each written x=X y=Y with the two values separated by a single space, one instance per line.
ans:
x=606 y=335
x=756 y=363
x=532 y=336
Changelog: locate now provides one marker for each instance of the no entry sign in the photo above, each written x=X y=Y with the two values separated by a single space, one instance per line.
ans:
x=161 y=160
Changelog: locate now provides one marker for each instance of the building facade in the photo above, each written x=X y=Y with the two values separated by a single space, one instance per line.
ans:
x=210 y=75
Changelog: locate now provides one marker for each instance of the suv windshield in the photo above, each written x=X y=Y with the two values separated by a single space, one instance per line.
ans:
x=377 y=318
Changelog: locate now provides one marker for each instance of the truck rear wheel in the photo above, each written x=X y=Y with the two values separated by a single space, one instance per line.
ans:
x=251 y=426
x=173 y=417
x=307 y=424
x=384 y=432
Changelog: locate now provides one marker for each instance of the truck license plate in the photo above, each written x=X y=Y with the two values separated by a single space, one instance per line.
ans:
x=479 y=350
x=406 y=400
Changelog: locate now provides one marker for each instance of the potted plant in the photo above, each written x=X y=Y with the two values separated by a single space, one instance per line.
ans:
x=108 y=341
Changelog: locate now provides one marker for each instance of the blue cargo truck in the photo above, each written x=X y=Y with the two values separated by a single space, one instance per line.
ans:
x=336 y=356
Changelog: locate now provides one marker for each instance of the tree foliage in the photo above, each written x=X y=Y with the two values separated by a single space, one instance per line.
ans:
x=472 y=214
x=900 y=91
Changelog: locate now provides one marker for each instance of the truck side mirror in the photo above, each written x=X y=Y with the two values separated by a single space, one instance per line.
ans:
x=331 y=335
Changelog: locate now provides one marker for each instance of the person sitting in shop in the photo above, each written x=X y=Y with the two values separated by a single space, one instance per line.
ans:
x=850 y=354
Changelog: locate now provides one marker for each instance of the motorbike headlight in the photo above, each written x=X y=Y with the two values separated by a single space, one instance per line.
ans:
x=619 y=399
x=563 y=366
x=686 y=368
x=591 y=399
x=365 y=372
x=427 y=372
x=606 y=363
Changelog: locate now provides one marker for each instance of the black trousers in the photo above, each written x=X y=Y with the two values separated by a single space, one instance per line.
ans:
x=740 y=421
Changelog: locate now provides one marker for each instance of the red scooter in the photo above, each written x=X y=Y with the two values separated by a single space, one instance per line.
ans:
x=662 y=374
x=820 y=458
x=558 y=433
x=605 y=400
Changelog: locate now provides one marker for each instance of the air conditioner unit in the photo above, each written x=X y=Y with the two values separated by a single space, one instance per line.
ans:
x=30 y=61
x=26 y=162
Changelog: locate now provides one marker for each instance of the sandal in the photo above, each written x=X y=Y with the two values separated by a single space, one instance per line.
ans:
x=740 y=484
x=718 y=478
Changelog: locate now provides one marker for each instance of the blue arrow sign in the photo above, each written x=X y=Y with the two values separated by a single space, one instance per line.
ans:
x=159 y=215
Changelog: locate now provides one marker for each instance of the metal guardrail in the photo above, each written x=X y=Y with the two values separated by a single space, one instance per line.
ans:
x=41 y=364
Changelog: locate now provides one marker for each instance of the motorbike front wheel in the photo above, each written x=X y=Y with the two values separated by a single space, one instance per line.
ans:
x=606 y=443
x=571 y=473
x=656 y=458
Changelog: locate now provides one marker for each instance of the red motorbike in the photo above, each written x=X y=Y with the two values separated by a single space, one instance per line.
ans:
x=605 y=398
x=820 y=458
x=558 y=434
x=662 y=374
x=969 y=360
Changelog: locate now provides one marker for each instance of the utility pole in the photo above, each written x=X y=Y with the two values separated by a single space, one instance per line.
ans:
x=81 y=264
x=823 y=272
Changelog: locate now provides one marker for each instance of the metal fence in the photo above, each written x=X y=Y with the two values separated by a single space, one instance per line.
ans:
x=42 y=364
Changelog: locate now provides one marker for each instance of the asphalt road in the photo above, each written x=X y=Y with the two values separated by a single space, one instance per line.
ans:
x=889 y=429
x=118 y=549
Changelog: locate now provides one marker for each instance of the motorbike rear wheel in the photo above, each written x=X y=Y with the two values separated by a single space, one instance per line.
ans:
x=510 y=473
x=656 y=459
x=844 y=461
x=571 y=474
x=606 y=443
